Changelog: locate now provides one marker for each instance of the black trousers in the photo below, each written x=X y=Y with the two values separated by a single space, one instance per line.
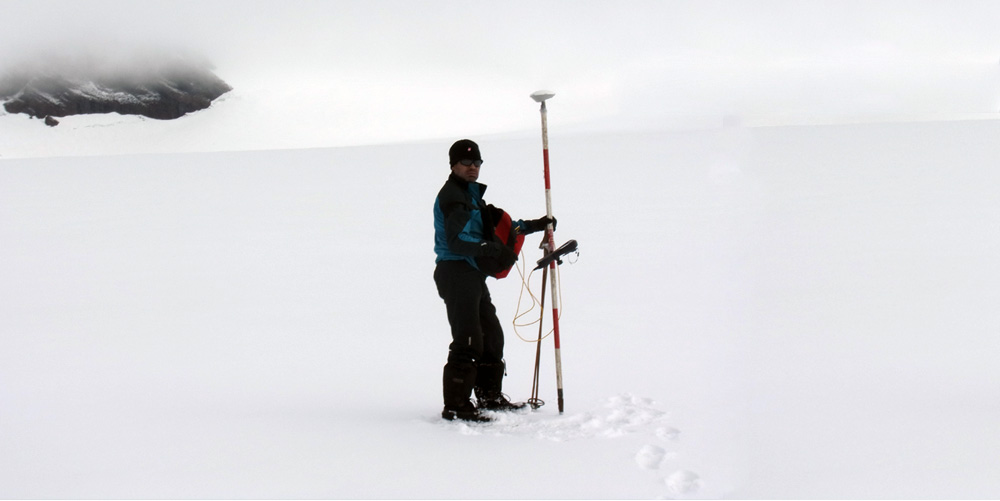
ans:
x=477 y=337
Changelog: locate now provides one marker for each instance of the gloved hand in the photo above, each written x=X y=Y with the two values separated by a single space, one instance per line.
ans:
x=507 y=258
x=535 y=225
x=489 y=249
x=496 y=257
x=499 y=251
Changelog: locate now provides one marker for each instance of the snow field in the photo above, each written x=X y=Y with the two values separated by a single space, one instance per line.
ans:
x=757 y=313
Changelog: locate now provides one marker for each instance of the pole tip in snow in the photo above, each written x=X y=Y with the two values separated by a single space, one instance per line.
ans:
x=541 y=95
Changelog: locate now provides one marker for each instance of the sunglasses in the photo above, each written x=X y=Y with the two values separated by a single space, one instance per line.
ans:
x=469 y=162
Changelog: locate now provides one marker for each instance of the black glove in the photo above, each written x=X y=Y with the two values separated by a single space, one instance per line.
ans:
x=499 y=251
x=535 y=225
x=507 y=258
x=490 y=249
x=495 y=257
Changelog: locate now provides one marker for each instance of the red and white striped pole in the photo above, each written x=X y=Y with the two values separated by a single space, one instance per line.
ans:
x=540 y=97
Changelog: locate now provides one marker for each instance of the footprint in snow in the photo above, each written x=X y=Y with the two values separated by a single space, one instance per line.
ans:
x=669 y=434
x=650 y=456
x=618 y=416
x=683 y=482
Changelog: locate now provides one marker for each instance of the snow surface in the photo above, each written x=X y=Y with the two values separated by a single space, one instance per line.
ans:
x=804 y=312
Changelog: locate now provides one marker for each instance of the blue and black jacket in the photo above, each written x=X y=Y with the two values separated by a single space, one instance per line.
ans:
x=464 y=224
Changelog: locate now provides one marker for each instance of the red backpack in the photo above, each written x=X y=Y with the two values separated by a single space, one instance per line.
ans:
x=505 y=234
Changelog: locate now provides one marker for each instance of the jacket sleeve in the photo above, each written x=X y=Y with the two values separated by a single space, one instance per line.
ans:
x=457 y=214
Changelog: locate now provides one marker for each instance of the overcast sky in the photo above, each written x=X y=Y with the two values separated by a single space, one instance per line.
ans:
x=438 y=67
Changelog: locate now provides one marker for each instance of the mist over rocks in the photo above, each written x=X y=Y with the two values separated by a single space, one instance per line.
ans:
x=162 y=85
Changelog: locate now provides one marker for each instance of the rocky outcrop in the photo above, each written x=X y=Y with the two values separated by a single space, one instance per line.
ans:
x=162 y=89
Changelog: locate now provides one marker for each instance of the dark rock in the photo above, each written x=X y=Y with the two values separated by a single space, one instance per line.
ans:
x=166 y=89
x=51 y=122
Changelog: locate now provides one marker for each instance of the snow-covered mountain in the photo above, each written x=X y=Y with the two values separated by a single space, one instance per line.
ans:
x=161 y=86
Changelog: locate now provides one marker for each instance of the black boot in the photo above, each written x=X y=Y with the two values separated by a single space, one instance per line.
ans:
x=489 y=382
x=458 y=382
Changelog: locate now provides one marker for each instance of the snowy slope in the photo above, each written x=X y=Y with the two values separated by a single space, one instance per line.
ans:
x=799 y=312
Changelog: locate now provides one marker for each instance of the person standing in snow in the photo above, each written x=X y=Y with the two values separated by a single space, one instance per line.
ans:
x=467 y=252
